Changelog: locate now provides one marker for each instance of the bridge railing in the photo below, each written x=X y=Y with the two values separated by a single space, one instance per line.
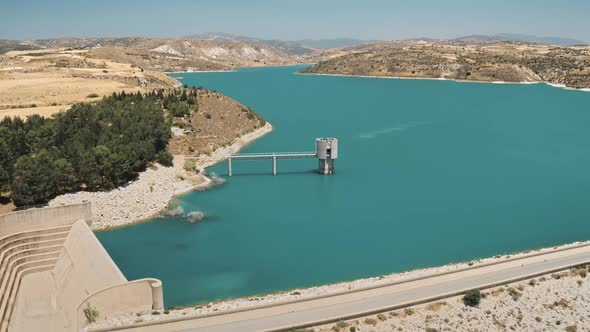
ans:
x=271 y=153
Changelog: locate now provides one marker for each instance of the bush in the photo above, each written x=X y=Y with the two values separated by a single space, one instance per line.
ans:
x=208 y=115
x=371 y=321
x=189 y=165
x=165 y=158
x=90 y=313
x=179 y=109
x=472 y=298
x=92 y=95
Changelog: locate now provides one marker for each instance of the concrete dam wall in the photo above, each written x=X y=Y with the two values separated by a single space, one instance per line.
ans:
x=52 y=267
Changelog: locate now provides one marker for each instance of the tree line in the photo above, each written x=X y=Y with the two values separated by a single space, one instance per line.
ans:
x=90 y=147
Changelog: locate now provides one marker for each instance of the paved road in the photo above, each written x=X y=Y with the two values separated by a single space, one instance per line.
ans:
x=368 y=302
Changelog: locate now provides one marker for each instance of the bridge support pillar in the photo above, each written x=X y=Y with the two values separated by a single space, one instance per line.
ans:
x=229 y=166
x=274 y=164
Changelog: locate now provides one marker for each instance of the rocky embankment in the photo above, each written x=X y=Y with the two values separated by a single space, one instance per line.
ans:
x=140 y=199
x=497 y=62
x=152 y=192
x=556 y=302
x=547 y=303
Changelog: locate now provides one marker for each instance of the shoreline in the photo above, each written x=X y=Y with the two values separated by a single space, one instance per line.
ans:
x=151 y=193
x=555 y=85
x=238 y=68
x=217 y=307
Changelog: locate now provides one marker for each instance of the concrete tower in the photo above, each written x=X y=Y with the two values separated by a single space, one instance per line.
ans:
x=327 y=152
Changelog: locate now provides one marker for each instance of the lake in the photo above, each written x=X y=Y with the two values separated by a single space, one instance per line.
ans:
x=429 y=172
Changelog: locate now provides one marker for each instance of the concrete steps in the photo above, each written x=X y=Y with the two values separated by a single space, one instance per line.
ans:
x=24 y=253
x=17 y=236
x=32 y=267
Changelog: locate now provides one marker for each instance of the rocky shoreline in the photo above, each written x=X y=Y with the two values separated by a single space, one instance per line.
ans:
x=153 y=190
x=231 y=305
x=559 y=86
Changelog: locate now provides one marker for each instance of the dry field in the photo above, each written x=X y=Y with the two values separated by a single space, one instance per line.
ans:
x=47 y=81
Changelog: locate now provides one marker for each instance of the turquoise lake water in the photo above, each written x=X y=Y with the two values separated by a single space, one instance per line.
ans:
x=430 y=172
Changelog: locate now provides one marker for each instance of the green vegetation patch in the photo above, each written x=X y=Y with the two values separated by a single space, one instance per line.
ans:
x=472 y=298
x=91 y=146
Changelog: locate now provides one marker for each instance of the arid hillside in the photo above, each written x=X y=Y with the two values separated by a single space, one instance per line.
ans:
x=216 y=122
x=503 y=61
x=172 y=54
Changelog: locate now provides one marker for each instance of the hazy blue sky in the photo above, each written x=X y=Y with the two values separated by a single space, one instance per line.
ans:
x=282 y=19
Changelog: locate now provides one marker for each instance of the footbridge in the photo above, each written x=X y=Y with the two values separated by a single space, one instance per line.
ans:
x=326 y=152
x=273 y=156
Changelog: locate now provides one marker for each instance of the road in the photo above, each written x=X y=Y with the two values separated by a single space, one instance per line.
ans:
x=366 y=302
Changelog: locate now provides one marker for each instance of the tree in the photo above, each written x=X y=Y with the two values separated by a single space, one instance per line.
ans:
x=4 y=181
x=101 y=145
x=33 y=179
x=472 y=298
x=179 y=109
x=183 y=96
x=64 y=178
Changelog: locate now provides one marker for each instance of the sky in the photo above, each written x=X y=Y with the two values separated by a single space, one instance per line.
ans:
x=292 y=20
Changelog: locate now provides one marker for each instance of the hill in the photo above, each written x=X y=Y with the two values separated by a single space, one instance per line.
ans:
x=507 y=37
x=462 y=60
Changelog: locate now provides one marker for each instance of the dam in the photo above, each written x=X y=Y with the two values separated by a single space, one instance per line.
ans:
x=326 y=152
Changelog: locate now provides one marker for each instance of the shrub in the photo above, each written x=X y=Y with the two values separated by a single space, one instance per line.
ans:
x=164 y=158
x=208 y=115
x=472 y=298
x=90 y=313
x=339 y=326
x=352 y=329
x=179 y=109
x=189 y=165
x=382 y=317
x=371 y=321
x=92 y=95
x=514 y=294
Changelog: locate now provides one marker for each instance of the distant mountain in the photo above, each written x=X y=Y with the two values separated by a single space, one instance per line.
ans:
x=293 y=47
x=484 y=39
x=330 y=43
x=542 y=40
x=15 y=45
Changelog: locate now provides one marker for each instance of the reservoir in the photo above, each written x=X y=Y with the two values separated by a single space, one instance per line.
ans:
x=429 y=172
